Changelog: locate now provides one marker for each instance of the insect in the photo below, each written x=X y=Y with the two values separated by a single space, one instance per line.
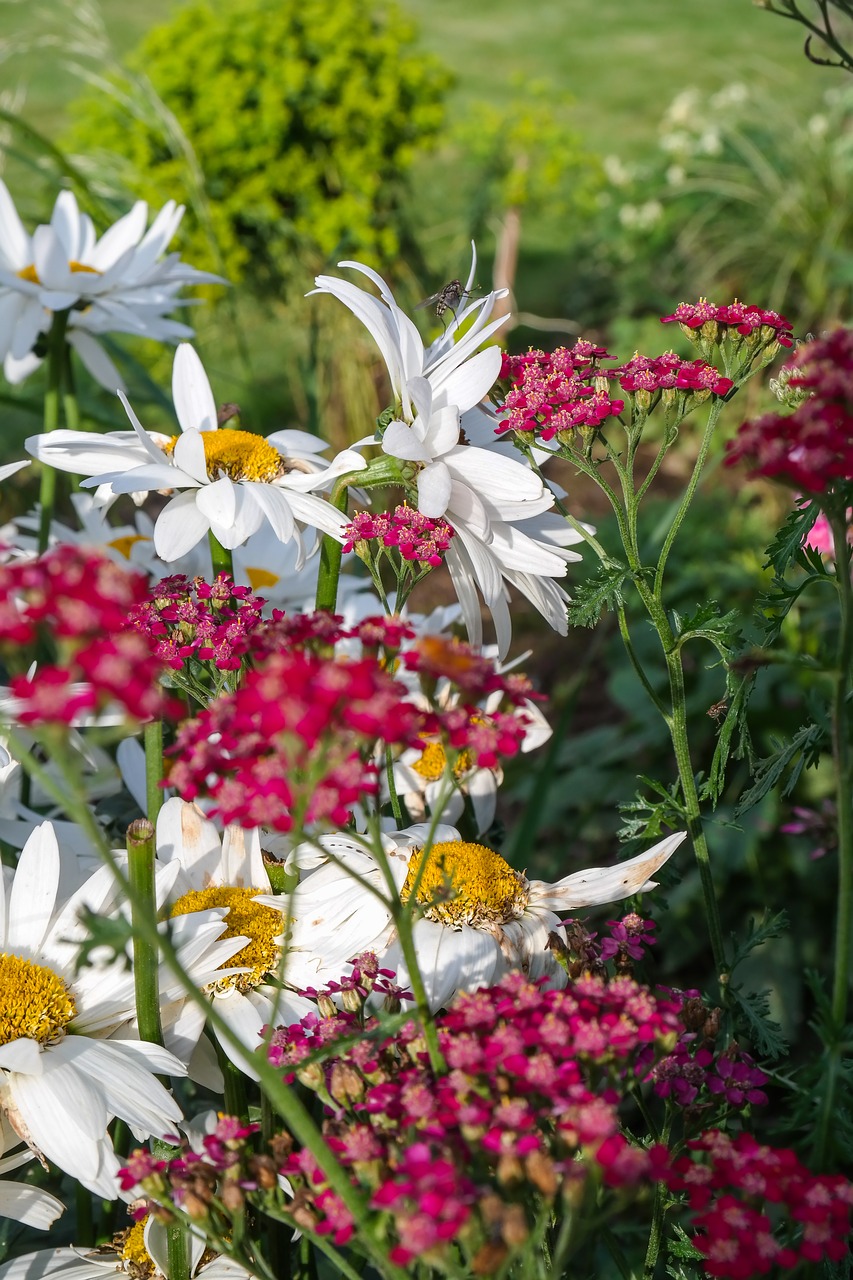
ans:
x=447 y=298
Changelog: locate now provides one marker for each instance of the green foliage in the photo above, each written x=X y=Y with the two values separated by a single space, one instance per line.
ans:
x=742 y=198
x=288 y=128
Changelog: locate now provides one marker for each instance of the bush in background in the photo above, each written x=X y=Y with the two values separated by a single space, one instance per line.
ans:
x=289 y=129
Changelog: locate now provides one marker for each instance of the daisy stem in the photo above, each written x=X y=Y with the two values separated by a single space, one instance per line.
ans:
x=70 y=407
x=152 y=736
x=52 y=404
x=146 y=960
x=392 y=789
x=220 y=556
x=331 y=554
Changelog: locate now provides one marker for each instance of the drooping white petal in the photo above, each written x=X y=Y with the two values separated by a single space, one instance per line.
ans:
x=597 y=885
x=29 y=1205
x=401 y=441
x=14 y=241
x=33 y=896
x=95 y=359
x=434 y=484
x=180 y=525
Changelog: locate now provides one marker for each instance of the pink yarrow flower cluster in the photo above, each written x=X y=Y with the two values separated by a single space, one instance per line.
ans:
x=417 y=537
x=812 y=447
x=294 y=739
x=756 y=1208
x=197 y=619
x=76 y=603
x=558 y=393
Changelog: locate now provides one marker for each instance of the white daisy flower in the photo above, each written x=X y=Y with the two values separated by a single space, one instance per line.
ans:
x=140 y=1252
x=478 y=917
x=226 y=871
x=482 y=493
x=229 y=481
x=22 y=1203
x=61 y=1082
x=118 y=283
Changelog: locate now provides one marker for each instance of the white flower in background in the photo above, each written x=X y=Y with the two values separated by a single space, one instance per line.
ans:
x=22 y=1203
x=480 y=918
x=61 y=1082
x=484 y=494
x=420 y=774
x=229 y=481
x=118 y=283
x=141 y=1253
x=226 y=871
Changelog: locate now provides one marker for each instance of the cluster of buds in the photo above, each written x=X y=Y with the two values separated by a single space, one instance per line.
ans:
x=678 y=385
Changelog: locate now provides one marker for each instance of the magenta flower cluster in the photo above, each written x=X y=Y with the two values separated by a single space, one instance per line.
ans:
x=196 y=619
x=752 y=323
x=558 y=393
x=415 y=536
x=811 y=448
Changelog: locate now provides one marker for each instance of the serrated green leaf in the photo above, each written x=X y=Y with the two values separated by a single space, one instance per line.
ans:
x=752 y=1011
x=770 y=927
x=789 y=539
x=791 y=757
x=591 y=598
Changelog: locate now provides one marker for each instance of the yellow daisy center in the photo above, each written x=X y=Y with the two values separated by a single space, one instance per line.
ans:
x=246 y=919
x=35 y=1003
x=240 y=455
x=466 y=883
x=259 y=578
x=124 y=544
x=29 y=273
x=433 y=762
x=135 y=1258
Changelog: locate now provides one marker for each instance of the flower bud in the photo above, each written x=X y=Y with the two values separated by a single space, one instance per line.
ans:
x=488 y=1258
x=233 y=1197
x=345 y=1084
x=262 y=1169
x=194 y=1206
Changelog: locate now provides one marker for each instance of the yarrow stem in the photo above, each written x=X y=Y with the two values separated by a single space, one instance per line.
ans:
x=152 y=736
x=331 y=554
x=53 y=398
x=140 y=874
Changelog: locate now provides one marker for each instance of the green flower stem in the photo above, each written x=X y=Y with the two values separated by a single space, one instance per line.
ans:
x=52 y=404
x=331 y=554
x=676 y=722
x=687 y=496
x=843 y=761
x=70 y=407
x=220 y=556
x=392 y=788
x=656 y=1232
x=152 y=737
x=282 y=1096
x=236 y=1100
x=146 y=961
x=146 y=966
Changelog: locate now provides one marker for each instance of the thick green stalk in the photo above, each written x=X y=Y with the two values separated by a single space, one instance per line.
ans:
x=220 y=556
x=843 y=762
x=331 y=554
x=146 y=978
x=152 y=736
x=52 y=402
x=143 y=903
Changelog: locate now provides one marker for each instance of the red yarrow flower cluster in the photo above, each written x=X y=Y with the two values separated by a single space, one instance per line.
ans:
x=812 y=447
x=197 y=619
x=558 y=393
x=415 y=536
x=294 y=738
x=439 y=657
x=669 y=372
x=76 y=603
x=750 y=322
x=756 y=1208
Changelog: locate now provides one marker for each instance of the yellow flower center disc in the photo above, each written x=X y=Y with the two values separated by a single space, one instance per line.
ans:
x=29 y=273
x=247 y=919
x=433 y=762
x=240 y=455
x=135 y=1258
x=466 y=883
x=123 y=545
x=35 y=1003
